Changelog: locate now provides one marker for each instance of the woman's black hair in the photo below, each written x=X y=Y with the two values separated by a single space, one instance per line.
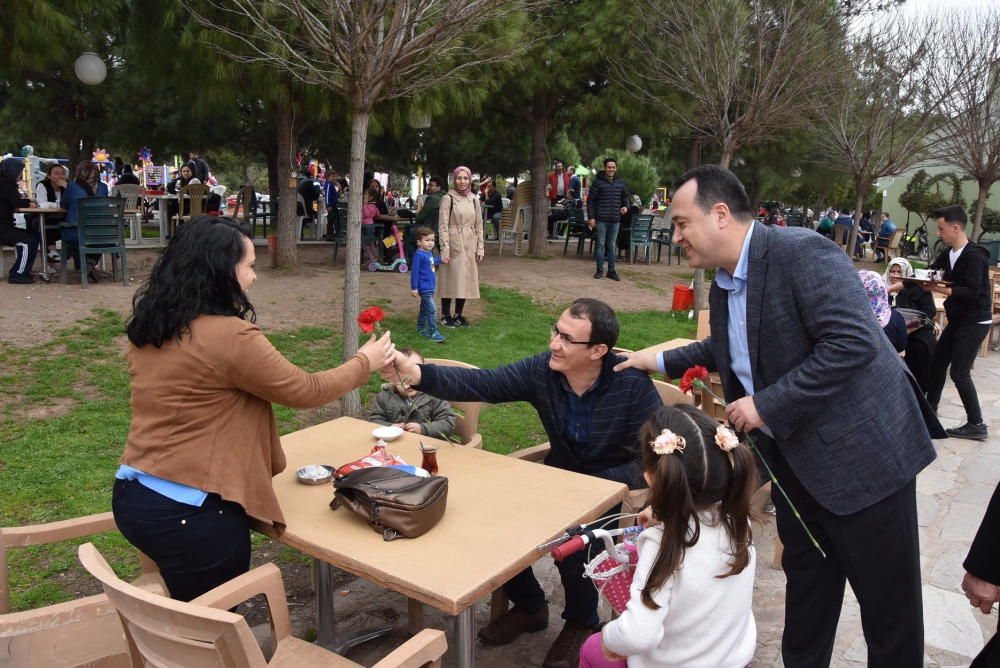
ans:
x=195 y=275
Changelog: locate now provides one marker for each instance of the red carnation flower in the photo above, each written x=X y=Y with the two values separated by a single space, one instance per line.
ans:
x=692 y=374
x=368 y=318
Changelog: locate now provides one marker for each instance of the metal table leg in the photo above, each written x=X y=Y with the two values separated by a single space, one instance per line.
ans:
x=326 y=635
x=465 y=630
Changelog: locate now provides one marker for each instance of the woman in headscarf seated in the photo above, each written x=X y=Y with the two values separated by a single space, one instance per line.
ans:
x=919 y=310
x=891 y=321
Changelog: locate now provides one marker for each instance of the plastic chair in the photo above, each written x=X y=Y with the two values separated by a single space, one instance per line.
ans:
x=100 y=221
x=467 y=412
x=841 y=234
x=522 y=197
x=304 y=219
x=194 y=195
x=666 y=238
x=163 y=632
x=73 y=634
x=641 y=237
x=577 y=224
x=892 y=244
x=130 y=194
x=244 y=210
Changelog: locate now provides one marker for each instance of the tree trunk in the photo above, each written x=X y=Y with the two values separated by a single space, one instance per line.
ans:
x=288 y=236
x=351 y=402
x=859 y=201
x=755 y=187
x=820 y=199
x=694 y=152
x=271 y=159
x=538 y=238
x=977 y=226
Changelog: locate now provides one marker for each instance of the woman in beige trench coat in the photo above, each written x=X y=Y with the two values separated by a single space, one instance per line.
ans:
x=460 y=233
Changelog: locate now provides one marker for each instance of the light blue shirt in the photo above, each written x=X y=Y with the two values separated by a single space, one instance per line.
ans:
x=739 y=346
x=172 y=490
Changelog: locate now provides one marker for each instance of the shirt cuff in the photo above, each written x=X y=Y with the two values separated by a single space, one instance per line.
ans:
x=660 y=365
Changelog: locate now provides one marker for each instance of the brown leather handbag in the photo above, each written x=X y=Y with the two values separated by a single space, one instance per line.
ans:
x=393 y=502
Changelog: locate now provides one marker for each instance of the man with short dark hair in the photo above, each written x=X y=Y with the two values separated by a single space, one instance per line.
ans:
x=795 y=348
x=607 y=202
x=969 y=310
x=591 y=416
x=558 y=184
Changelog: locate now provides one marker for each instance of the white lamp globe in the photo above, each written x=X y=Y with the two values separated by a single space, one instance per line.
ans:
x=419 y=120
x=90 y=69
x=633 y=144
x=796 y=173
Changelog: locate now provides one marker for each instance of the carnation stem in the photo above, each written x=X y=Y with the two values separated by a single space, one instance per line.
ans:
x=698 y=383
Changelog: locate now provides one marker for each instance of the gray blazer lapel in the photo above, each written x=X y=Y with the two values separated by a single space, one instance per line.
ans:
x=756 y=275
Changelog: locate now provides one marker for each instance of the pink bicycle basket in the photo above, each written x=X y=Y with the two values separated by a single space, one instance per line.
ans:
x=612 y=578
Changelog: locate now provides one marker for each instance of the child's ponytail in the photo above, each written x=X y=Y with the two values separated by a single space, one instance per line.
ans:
x=735 y=507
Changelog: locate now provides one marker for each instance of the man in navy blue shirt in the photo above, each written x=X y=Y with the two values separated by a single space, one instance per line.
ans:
x=592 y=417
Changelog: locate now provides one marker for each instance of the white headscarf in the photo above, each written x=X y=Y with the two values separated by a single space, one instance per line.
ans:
x=904 y=266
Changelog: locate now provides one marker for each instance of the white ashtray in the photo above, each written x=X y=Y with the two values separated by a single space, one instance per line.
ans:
x=387 y=433
x=315 y=474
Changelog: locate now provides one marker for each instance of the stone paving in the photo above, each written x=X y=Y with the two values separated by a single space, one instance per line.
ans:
x=952 y=495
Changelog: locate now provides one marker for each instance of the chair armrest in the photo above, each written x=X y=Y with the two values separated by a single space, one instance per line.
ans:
x=428 y=646
x=264 y=580
x=533 y=454
x=53 y=532
x=475 y=442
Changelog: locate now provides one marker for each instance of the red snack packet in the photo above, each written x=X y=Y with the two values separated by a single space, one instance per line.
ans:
x=377 y=457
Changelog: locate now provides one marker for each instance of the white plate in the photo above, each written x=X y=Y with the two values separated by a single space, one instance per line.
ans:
x=387 y=433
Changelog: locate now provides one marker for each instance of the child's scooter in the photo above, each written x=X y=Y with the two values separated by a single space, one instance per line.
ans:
x=399 y=264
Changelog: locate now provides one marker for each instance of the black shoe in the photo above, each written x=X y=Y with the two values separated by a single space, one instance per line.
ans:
x=599 y=274
x=20 y=279
x=613 y=276
x=448 y=321
x=507 y=627
x=565 y=651
x=973 y=432
x=462 y=322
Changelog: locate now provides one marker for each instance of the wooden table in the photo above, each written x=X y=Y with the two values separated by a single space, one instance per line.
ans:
x=667 y=345
x=42 y=213
x=499 y=510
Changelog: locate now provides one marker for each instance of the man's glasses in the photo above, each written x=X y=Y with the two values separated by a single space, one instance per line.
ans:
x=563 y=338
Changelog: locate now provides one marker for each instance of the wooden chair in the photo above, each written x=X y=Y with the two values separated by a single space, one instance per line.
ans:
x=194 y=195
x=509 y=216
x=244 y=209
x=467 y=412
x=100 y=223
x=892 y=244
x=995 y=324
x=666 y=238
x=81 y=633
x=130 y=194
x=166 y=633
x=641 y=236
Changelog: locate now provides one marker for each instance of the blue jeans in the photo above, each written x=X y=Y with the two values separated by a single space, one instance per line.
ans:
x=607 y=237
x=196 y=548
x=581 y=595
x=427 y=319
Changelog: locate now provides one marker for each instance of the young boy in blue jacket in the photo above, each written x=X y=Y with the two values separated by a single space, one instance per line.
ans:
x=423 y=282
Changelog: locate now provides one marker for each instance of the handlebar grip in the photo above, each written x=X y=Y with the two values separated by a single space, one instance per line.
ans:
x=574 y=544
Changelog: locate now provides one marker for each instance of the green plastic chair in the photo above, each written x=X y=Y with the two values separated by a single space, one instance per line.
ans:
x=666 y=238
x=641 y=236
x=101 y=225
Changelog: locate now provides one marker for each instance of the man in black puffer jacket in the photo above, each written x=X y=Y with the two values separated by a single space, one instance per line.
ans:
x=607 y=202
x=969 y=310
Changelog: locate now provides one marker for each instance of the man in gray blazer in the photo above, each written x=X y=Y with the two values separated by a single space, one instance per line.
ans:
x=807 y=371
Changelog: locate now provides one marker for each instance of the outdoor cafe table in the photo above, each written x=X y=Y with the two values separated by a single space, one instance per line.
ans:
x=42 y=213
x=667 y=345
x=499 y=509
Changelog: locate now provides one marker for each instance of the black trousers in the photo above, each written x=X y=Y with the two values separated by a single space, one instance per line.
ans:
x=876 y=550
x=989 y=657
x=196 y=548
x=958 y=347
x=581 y=594
x=25 y=245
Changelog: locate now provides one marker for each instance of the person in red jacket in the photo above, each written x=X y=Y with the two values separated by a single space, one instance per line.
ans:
x=558 y=184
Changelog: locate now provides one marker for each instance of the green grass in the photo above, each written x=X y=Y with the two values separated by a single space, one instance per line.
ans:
x=64 y=417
